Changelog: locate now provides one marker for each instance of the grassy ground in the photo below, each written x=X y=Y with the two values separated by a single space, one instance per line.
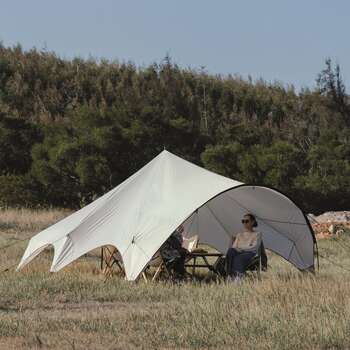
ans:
x=75 y=309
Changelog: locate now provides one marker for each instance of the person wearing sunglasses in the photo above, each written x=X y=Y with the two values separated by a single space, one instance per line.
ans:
x=244 y=247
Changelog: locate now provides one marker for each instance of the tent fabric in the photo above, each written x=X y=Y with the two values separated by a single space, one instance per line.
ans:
x=141 y=213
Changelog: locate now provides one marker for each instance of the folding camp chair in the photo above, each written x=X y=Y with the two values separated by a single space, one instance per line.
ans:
x=110 y=258
x=160 y=266
x=255 y=266
x=163 y=266
x=258 y=262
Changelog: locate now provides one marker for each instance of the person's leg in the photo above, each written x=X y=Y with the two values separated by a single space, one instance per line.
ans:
x=241 y=261
x=230 y=257
x=179 y=263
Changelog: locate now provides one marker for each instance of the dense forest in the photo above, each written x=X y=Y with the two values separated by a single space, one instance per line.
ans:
x=72 y=129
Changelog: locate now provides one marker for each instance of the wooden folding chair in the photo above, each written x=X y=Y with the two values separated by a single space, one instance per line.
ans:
x=110 y=258
x=259 y=261
x=159 y=264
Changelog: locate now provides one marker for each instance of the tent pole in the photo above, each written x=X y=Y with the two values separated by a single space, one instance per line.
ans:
x=317 y=257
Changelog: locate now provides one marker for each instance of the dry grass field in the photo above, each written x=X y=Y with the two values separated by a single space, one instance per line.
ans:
x=75 y=309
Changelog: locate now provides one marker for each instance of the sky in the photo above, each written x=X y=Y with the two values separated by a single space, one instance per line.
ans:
x=277 y=40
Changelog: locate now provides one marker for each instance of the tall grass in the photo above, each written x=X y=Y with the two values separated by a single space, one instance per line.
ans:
x=76 y=309
x=27 y=220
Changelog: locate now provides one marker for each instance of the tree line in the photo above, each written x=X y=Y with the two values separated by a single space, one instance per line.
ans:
x=70 y=130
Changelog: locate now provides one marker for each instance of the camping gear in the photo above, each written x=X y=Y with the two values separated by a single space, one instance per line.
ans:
x=140 y=214
x=190 y=243
x=204 y=263
x=159 y=264
x=110 y=257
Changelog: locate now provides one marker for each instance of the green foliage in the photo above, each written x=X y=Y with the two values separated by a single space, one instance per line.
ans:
x=224 y=159
x=330 y=84
x=21 y=191
x=281 y=163
x=328 y=176
x=77 y=128
x=277 y=165
x=16 y=139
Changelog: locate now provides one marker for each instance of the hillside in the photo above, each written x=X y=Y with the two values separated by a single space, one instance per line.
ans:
x=72 y=129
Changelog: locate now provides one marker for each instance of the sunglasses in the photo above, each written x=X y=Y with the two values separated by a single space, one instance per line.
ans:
x=245 y=221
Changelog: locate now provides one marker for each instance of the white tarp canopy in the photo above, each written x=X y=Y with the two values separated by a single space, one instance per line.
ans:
x=140 y=214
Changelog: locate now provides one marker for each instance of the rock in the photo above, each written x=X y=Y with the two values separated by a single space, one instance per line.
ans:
x=331 y=229
x=326 y=230
x=334 y=216
x=312 y=218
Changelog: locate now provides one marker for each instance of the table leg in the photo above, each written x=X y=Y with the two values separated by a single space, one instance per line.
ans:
x=210 y=267
x=206 y=262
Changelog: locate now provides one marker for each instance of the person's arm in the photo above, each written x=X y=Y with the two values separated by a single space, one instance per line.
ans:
x=236 y=242
x=233 y=241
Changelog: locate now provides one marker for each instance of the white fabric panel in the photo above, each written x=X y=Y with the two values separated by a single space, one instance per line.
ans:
x=280 y=216
x=296 y=258
x=221 y=218
x=58 y=246
x=275 y=241
x=141 y=213
x=191 y=226
x=211 y=230
x=229 y=213
x=58 y=231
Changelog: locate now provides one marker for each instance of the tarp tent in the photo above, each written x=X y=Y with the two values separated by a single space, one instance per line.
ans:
x=141 y=213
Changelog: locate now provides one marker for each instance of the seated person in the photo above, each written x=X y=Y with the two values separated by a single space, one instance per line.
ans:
x=173 y=253
x=245 y=246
